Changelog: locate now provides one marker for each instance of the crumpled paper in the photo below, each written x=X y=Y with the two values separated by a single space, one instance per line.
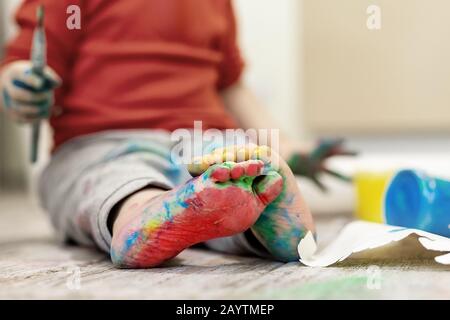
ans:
x=373 y=241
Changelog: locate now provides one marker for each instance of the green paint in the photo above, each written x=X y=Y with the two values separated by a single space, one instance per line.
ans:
x=352 y=287
x=277 y=229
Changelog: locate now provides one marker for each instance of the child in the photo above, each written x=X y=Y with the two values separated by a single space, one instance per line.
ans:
x=134 y=72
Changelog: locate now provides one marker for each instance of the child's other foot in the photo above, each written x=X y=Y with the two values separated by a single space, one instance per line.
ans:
x=225 y=200
x=284 y=221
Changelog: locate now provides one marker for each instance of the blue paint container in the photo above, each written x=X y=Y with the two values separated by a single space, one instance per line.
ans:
x=416 y=200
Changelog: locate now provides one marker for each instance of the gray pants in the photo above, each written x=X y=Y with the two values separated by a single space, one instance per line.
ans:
x=89 y=175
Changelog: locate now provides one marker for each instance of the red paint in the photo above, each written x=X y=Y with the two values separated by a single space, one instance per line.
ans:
x=237 y=172
x=272 y=192
x=223 y=212
x=221 y=174
x=253 y=169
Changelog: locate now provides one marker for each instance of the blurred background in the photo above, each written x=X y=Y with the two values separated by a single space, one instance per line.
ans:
x=323 y=71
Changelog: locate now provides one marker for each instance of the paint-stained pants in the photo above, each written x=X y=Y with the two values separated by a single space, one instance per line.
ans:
x=89 y=175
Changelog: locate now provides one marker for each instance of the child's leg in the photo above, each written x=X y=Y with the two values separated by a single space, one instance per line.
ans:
x=153 y=226
x=287 y=219
x=89 y=176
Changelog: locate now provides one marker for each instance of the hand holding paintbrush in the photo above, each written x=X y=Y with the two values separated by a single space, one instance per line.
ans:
x=27 y=86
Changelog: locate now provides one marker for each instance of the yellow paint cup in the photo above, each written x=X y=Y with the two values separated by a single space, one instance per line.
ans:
x=370 y=188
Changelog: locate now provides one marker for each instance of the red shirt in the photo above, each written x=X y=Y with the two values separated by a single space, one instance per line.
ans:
x=136 y=63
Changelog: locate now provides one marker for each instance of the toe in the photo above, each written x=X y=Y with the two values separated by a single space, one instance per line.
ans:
x=219 y=173
x=244 y=153
x=225 y=154
x=198 y=165
x=269 y=187
x=239 y=154
x=262 y=152
x=237 y=171
x=253 y=168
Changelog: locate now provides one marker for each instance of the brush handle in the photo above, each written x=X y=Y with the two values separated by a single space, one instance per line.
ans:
x=39 y=61
x=35 y=133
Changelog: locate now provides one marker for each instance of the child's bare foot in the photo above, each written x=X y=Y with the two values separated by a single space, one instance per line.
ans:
x=286 y=220
x=225 y=200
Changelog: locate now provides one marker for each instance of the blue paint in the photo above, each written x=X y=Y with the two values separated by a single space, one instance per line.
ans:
x=416 y=200
x=131 y=240
x=183 y=204
x=298 y=234
x=284 y=250
x=287 y=216
x=187 y=191
x=169 y=216
x=47 y=84
x=6 y=99
x=173 y=173
x=113 y=254
x=205 y=177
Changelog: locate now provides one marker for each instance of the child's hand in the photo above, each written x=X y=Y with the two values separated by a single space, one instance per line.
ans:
x=26 y=96
x=312 y=164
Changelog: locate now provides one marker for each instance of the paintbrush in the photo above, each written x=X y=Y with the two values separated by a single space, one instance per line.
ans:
x=39 y=61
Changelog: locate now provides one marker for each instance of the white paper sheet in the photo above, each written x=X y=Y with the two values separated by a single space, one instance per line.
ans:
x=366 y=240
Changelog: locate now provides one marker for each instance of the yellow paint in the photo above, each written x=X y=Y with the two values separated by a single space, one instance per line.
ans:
x=152 y=225
x=263 y=152
x=370 y=188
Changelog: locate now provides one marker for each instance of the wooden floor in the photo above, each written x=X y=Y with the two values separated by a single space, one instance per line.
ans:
x=33 y=265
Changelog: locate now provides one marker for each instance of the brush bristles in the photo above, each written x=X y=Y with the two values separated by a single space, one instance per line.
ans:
x=40 y=15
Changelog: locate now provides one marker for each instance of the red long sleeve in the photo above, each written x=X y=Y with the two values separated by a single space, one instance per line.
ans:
x=136 y=64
